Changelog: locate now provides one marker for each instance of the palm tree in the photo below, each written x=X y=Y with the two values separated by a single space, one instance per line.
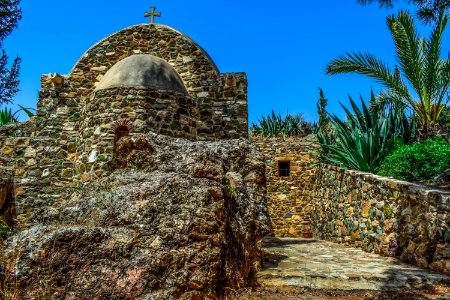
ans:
x=421 y=79
x=427 y=10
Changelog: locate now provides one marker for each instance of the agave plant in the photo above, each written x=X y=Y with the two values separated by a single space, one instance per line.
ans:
x=7 y=116
x=364 y=139
x=420 y=81
x=274 y=125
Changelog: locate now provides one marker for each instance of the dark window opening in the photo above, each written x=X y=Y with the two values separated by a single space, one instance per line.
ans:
x=122 y=128
x=8 y=210
x=284 y=168
x=121 y=131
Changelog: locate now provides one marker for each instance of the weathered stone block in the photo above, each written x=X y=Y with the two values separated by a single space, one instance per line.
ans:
x=188 y=228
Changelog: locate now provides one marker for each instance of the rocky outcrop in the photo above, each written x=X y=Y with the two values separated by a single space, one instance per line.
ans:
x=182 y=221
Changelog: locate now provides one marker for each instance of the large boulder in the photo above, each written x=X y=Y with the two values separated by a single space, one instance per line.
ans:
x=177 y=220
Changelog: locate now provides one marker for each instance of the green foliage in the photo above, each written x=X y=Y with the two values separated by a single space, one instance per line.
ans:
x=417 y=162
x=421 y=79
x=387 y=210
x=10 y=14
x=274 y=125
x=322 y=110
x=427 y=10
x=230 y=190
x=364 y=139
x=7 y=117
x=444 y=119
x=4 y=229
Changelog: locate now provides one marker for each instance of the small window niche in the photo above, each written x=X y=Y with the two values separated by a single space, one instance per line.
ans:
x=284 y=168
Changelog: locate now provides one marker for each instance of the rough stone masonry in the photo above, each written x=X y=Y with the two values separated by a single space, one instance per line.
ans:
x=71 y=140
x=183 y=225
x=135 y=180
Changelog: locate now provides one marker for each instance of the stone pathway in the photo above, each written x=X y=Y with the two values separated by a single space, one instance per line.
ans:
x=325 y=265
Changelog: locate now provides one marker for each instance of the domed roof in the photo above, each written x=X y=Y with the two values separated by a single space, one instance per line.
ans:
x=143 y=70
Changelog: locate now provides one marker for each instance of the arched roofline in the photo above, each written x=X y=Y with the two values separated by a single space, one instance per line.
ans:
x=213 y=64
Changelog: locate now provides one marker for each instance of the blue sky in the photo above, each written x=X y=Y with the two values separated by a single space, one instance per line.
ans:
x=283 y=46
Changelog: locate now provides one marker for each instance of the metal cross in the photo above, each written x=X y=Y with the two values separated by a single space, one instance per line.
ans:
x=152 y=14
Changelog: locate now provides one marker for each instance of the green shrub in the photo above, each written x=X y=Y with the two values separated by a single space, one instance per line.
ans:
x=444 y=119
x=417 y=162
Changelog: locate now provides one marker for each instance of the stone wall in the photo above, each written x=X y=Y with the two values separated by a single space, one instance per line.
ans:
x=222 y=111
x=141 y=110
x=49 y=155
x=289 y=198
x=377 y=214
x=381 y=215
x=38 y=154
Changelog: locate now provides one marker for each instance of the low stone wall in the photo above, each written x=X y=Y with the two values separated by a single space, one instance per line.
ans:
x=289 y=198
x=382 y=215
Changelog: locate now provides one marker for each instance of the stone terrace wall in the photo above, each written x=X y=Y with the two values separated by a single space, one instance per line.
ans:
x=289 y=198
x=381 y=215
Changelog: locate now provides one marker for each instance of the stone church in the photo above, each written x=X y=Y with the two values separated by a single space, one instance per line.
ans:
x=135 y=180
x=145 y=78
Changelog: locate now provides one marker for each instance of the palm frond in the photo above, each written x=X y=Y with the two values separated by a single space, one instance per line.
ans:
x=369 y=65
x=419 y=64
x=433 y=62
x=409 y=48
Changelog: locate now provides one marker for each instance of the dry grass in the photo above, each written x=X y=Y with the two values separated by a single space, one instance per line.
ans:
x=8 y=282
x=11 y=288
x=291 y=293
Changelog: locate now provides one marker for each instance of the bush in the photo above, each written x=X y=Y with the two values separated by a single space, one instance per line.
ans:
x=417 y=162
x=444 y=119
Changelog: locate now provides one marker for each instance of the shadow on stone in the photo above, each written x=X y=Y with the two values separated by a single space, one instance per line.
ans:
x=273 y=242
x=271 y=260
x=7 y=205
x=414 y=278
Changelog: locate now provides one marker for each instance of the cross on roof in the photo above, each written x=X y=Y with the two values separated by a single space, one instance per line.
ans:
x=152 y=14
